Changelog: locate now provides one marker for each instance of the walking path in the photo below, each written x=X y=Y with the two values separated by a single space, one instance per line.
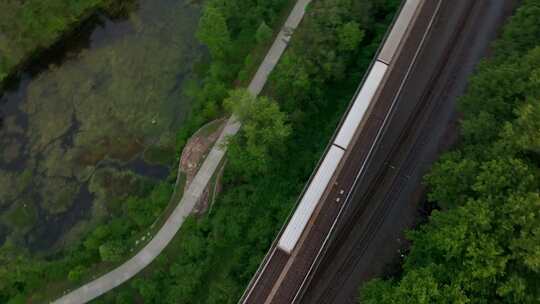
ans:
x=167 y=232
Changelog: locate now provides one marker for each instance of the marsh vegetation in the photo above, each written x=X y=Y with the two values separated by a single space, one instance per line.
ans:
x=75 y=135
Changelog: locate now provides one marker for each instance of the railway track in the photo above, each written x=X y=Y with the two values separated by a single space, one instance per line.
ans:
x=420 y=116
x=410 y=137
x=422 y=112
x=345 y=270
x=283 y=286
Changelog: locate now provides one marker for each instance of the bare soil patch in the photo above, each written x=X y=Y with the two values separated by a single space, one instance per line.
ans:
x=193 y=156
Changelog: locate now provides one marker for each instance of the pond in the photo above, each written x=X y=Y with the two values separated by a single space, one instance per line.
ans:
x=79 y=133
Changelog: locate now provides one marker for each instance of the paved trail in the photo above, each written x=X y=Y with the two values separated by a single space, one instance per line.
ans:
x=162 y=238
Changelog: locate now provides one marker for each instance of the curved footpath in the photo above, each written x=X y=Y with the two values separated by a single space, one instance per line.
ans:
x=162 y=238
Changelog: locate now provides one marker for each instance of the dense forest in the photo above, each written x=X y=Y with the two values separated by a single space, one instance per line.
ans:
x=482 y=245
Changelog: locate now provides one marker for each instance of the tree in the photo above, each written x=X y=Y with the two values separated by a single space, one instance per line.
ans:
x=148 y=289
x=139 y=210
x=124 y=297
x=76 y=273
x=264 y=33
x=292 y=82
x=214 y=33
x=264 y=131
x=350 y=36
x=112 y=251
x=97 y=237
x=525 y=131
x=450 y=179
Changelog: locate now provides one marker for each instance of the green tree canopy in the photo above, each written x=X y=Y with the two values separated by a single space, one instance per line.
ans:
x=263 y=132
x=112 y=251
x=525 y=132
x=76 y=273
x=264 y=33
x=213 y=32
x=350 y=36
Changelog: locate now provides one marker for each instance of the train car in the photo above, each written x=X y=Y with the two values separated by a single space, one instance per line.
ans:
x=349 y=127
x=360 y=105
x=311 y=197
x=402 y=26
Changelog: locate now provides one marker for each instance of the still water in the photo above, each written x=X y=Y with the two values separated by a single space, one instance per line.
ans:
x=76 y=131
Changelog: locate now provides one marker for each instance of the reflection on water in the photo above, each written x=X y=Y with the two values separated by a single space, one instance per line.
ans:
x=70 y=133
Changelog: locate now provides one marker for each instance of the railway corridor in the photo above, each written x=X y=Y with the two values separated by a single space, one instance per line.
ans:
x=386 y=203
x=290 y=261
x=398 y=140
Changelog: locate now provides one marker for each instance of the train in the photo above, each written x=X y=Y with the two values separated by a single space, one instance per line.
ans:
x=350 y=126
